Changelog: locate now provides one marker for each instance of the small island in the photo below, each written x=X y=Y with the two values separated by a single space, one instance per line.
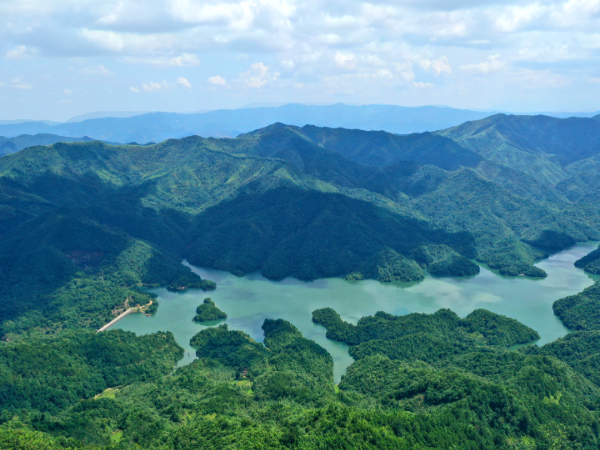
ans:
x=208 y=311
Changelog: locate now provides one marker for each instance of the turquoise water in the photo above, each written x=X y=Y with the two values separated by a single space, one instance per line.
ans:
x=250 y=299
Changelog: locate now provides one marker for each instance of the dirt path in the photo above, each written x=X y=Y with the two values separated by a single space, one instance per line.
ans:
x=123 y=314
x=116 y=319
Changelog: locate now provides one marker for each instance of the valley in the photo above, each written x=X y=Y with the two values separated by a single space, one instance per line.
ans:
x=429 y=290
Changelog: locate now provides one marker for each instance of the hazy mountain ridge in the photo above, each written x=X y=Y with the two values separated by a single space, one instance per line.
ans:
x=11 y=145
x=156 y=127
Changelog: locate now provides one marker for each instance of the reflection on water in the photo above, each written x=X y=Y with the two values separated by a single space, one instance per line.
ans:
x=251 y=299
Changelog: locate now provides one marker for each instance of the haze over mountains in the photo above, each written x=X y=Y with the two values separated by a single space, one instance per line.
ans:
x=156 y=127
x=11 y=145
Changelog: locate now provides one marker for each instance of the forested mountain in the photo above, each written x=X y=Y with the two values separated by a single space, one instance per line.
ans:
x=11 y=145
x=373 y=148
x=281 y=200
x=85 y=225
x=544 y=147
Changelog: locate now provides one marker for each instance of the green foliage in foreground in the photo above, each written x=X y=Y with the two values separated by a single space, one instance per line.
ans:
x=52 y=373
x=280 y=394
x=208 y=311
x=580 y=350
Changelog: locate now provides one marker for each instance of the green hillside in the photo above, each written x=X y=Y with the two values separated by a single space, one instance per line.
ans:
x=374 y=148
x=85 y=226
x=282 y=200
x=540 y=146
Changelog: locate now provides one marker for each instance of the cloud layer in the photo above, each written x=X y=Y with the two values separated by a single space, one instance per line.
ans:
x=515 y=54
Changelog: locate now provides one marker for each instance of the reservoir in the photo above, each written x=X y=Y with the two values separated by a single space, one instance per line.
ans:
x=250 y=299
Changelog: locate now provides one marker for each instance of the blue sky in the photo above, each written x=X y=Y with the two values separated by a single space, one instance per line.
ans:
x=61 y=58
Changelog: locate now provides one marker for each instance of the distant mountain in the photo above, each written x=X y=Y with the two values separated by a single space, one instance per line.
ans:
x=156 y=127
x=11 y=145
x=103 y=114
x=14 y=122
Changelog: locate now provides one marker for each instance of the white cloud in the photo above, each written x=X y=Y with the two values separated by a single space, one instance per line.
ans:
x=67 y=91
x=184 y=60
x=184 y=82
x=258 y=76
x=405 y=71
x=217 y=80
x=21 y=52
x=152 y=86
x=437 y=66
x=18 y=83
x=96 y=70
x=345 y=60
x=288 y=64
x=492 y=64
x=594 y=79
x=337 y=51
x=421 y=84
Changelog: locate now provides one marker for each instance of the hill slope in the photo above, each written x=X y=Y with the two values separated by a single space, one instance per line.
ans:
x=540 y=146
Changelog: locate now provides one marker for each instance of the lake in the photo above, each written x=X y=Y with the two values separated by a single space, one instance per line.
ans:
x=250 y=299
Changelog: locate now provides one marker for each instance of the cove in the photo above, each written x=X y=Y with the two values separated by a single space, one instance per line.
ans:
x=250 y=299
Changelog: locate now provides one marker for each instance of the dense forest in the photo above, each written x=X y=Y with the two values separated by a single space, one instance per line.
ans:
x=419 y=381
x=85 y=227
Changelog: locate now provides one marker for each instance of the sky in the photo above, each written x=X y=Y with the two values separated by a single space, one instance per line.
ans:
x=61 y=58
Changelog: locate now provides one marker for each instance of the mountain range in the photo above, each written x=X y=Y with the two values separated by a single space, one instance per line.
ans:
x=11 y=145
x=306 y=202
x=85 y=226
x=156 y=127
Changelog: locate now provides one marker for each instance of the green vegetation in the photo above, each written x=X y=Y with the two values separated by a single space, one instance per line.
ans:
x=208 y=311
x=580 y=311
x=286 y=201
x=580 y=350
x=11 y=145
x=243 y=394
x=384 y=332
x=85 y=226
x=308 y=235
x=541 y=146
x=52 y=373
x=590 y=262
